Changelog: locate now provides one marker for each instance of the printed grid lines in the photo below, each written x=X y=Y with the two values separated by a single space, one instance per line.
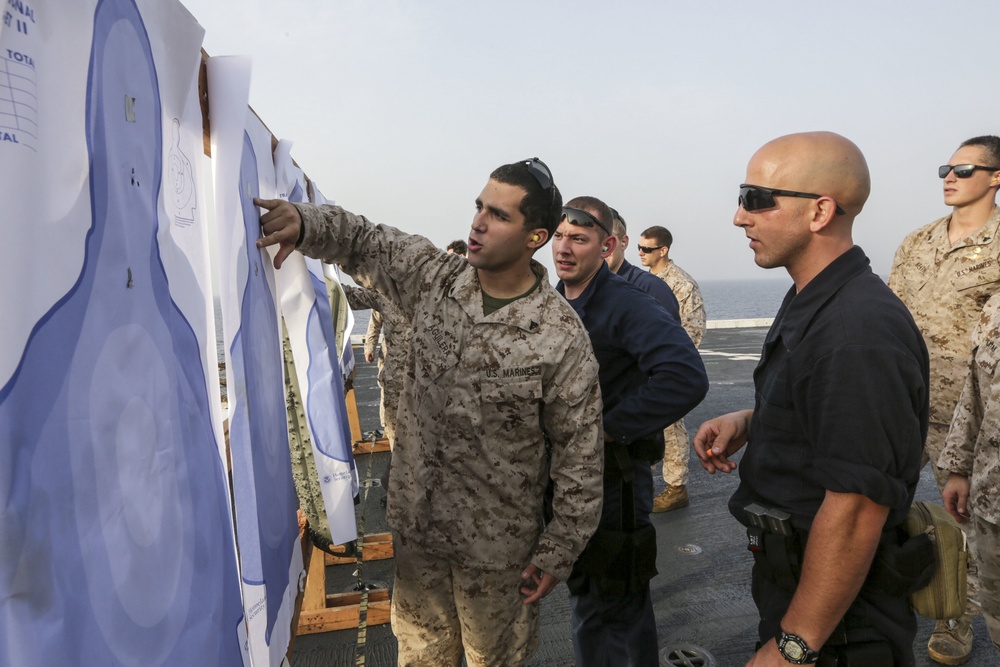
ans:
x=18 y=102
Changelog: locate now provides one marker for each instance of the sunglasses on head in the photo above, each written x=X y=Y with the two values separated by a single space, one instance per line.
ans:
x=540 y=171
x=757 y=197
x=962 y=170
x=581 y=218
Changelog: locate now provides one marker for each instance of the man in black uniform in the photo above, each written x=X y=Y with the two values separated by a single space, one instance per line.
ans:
x=835 y=436
x=651 y=375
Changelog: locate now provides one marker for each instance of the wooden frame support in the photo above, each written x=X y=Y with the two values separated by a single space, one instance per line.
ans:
x=322 y=612
x=343 y=612
x=361 y=446
x=376 y=547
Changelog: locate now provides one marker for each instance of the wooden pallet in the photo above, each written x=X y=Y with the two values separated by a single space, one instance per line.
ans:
x=365 y=446
x=343 y=613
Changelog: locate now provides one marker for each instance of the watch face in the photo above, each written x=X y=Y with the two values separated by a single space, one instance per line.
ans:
x=792 y=649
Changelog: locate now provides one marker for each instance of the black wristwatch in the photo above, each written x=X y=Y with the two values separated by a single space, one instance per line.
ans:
x=795 y=650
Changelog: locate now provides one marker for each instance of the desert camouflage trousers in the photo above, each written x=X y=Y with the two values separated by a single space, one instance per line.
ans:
x=988 y=557
x=936 y=435
x=676 y=454
x=440 y=611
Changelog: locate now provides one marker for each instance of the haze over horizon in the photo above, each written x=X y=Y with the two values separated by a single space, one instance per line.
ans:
x=400 y=110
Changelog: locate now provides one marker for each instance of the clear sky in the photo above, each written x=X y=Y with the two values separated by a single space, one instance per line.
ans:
x=399 y=110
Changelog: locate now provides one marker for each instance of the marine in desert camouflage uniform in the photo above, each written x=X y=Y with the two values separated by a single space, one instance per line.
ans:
x=389 y=320
x=972 y=457
x=677 y=449
x=470 y=465
x=945 y=272
x=945 y=286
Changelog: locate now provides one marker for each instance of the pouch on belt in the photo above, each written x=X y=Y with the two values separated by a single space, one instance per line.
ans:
x=944 y=597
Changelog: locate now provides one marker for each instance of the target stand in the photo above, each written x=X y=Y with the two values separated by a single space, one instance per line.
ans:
x=361 y=445
x=323 y=612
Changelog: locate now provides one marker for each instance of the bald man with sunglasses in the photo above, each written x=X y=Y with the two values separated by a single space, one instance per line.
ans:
x=833 y=442
x=945 y=272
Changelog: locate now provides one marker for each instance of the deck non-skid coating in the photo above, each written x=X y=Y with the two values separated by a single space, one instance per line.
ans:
x=116 y=519
x=701 y=596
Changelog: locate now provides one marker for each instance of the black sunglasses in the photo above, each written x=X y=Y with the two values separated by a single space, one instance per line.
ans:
x=581 y=218
x=646 y=249
x=540 y=171
x=757 y=197
x=962 y=170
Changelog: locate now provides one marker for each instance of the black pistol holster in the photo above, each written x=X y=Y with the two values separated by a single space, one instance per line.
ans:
x=775 y=545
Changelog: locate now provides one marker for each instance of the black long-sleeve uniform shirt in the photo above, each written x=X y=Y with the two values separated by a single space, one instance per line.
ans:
x=651 y=374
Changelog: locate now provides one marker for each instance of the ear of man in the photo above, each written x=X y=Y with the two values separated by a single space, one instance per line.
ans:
x=538 y=238
x=824 y=211
x=608 y=246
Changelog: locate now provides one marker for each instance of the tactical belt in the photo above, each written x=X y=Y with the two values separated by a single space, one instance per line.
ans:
x=901 y=565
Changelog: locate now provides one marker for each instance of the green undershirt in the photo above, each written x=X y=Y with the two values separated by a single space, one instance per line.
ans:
x=492 y=304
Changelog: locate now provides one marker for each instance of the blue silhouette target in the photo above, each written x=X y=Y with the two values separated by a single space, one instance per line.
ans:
x=116 y=542
x=326 y=390
x=262 y=475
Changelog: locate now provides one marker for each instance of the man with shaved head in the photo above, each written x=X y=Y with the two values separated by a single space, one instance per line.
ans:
x=834 y=440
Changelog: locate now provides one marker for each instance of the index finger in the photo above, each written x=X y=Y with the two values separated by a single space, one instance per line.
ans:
x=702 y=439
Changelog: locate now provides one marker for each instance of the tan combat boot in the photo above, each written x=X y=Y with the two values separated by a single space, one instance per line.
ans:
x=672 y=498
x=951 y=641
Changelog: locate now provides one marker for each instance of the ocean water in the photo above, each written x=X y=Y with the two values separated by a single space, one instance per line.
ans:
x=724 y=300
x=743 y=299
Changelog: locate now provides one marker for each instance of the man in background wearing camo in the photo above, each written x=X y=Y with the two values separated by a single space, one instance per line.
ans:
x=945 y=272
x=458 y=247
x=654 y=252
x=972 y=492
x=389 y=321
